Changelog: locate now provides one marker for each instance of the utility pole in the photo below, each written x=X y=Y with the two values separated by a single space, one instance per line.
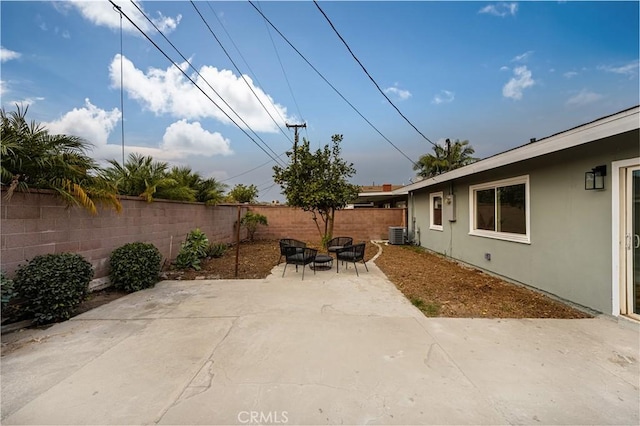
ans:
x=295 y=137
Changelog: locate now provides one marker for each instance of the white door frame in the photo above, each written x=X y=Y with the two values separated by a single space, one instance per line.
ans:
x=618 y=227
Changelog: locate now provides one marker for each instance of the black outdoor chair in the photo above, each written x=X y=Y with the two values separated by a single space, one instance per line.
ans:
x=337 y=243
x=299 y=256
x=353 y=253
x=291 y=243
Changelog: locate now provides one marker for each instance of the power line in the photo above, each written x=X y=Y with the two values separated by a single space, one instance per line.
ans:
x=332 y=86
x=119 y=10
x=251 y=170
x=369 y=75
x=255 y=76
x=284 y=73
x=203 y=79
x=190 y=79
x=240 y=73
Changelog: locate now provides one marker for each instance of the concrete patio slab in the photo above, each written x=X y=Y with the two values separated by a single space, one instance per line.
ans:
x=332 y=349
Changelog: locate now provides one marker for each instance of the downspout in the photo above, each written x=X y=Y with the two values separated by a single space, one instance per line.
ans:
x=413 y=232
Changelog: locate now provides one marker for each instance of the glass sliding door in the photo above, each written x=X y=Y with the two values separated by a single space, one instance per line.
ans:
x=632 y=240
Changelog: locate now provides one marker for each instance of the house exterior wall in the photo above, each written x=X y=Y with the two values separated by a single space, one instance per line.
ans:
x=569 y=254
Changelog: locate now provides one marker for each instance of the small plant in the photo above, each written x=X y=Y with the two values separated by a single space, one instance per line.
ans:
x=54 y=285
x=195 y=248
x=251 y=221
x=216 y=249
x=134 y=266
x=430 y=309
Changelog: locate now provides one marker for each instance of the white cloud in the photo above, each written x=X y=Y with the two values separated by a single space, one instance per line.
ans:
x=570 y=74
x=180 y=140
x=102 y=13
x=444 y=96
x=400 y=94
x=629 y=69
x=27 y=101
x=186 y=138
x=583 y=98
x=7 y=55
x=500 y=9
x=522 y=58
x=504 y=68
x=169 y=92
x=520 y=81
x=90 y=123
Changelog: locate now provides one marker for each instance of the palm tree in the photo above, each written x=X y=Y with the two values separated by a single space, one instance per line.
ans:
x=210 y=191
x=34 y=158
x=140 y=176
x=184 y=187
x=191 y=184
x=445 y=159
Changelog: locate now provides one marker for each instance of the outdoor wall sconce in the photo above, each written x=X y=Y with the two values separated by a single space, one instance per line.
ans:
x=595 y=178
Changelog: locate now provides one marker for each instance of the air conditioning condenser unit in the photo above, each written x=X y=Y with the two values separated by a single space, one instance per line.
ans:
x=397 y=235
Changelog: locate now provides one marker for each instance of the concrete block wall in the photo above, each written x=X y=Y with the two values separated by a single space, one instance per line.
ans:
x=361 y=224
x=38 y=223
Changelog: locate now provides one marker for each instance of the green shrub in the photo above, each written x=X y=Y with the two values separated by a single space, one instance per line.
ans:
x=8 y=290
x=135 y=266
x=194 y=248
x=54 y=285
x=251 y=221
x=216 y=249
x=187 y=259
x=198 y=242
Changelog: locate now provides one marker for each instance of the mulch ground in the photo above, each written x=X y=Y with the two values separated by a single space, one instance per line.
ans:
x=442 y=287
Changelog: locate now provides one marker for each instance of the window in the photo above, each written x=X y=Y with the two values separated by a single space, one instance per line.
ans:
x=500 y=209
x=435 y=203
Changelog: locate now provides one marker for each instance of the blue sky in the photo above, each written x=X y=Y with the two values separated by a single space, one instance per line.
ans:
x=493 y=73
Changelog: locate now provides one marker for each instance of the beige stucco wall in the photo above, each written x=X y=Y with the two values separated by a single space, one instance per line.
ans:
x=569 y=254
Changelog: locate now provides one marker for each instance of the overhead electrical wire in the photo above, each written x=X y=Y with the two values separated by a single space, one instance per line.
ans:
x=253 y=73
x=191 y=80
x=204 y=79
x=250 y=170
x=240 y=73
x=121 y=87
x=369 y=75
x=286 y=78
x=332 y=86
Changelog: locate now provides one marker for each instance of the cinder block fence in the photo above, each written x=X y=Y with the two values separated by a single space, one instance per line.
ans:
x=38 y=222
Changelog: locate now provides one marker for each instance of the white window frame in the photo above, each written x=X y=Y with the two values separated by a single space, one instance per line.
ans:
x=508 y=236
x=432 y=197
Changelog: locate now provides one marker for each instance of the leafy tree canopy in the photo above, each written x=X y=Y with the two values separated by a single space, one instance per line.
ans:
x=445 y=158
x=318 y=182
x=243 y=194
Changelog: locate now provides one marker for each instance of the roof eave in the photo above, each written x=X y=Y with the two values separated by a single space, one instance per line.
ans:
x=621 y=122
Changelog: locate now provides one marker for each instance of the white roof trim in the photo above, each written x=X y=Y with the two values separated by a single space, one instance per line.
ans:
x=621 y=122
x=399 y=191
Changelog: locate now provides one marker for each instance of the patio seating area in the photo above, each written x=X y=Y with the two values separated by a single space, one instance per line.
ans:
x=297 y=253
